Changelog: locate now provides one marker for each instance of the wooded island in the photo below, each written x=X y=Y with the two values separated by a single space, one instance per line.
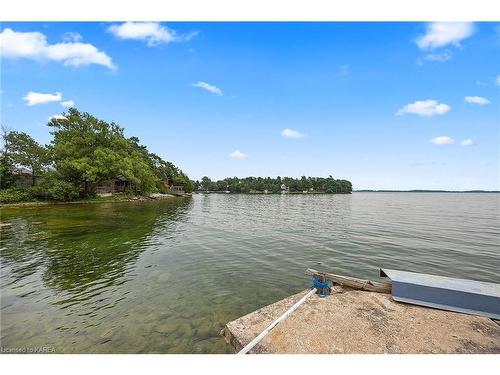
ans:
x=325 y=185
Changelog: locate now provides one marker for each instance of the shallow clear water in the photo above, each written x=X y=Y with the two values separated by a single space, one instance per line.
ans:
x=166 y=276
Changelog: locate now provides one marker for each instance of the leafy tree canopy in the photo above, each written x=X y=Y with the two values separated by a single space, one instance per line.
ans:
x=276 y=185
x=22 y=150
x=84 y=152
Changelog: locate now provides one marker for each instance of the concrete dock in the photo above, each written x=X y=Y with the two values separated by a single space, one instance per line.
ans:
x=356 y=322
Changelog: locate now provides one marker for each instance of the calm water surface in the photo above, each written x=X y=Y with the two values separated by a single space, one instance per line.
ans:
x=164 y=277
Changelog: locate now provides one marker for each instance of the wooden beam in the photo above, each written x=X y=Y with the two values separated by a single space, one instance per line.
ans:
x=352 y=282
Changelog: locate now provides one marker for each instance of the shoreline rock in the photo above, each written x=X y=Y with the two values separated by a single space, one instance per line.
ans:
x=139 y=198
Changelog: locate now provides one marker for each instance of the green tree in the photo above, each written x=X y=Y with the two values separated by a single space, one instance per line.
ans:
x=6 y=164
x=21 y=149
x=166 y=171
x=88 y=151
x=6 y=167
x=206 y=183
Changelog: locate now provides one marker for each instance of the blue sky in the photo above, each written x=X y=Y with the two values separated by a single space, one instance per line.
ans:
x=385 y=105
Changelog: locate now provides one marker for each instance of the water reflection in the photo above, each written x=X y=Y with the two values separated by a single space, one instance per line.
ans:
x=76 y=246
x=76 y=259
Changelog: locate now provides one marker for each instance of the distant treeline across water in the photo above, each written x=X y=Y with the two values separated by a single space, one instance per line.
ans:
x=279 y=184
x=426 y=191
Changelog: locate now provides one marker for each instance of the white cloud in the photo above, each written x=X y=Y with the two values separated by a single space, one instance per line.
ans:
x=68 y=103
x=72 y=37
x=290 y=133
x=153 y=33
x=476 y=100
x=237 y=154
x=466 y=142
x=438 y=57
x=440 y=34
x=497 y=80
x=57 y=117
x=34 y=46
x=35 y=98
x=424 y=108
x=207 y=86
x=443 y=140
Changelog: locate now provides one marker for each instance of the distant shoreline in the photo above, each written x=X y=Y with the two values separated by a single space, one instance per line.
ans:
x=270 y=193
x=425 y=191
x=354 y=191
x=115 y=199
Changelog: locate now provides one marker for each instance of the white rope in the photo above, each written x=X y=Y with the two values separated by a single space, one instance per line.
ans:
x=264 y=333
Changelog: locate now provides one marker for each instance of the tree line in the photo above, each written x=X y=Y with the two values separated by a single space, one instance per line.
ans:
x=84 y=152
x=279 y=184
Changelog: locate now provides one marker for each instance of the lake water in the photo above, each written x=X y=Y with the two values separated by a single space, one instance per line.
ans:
x=164 y=277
